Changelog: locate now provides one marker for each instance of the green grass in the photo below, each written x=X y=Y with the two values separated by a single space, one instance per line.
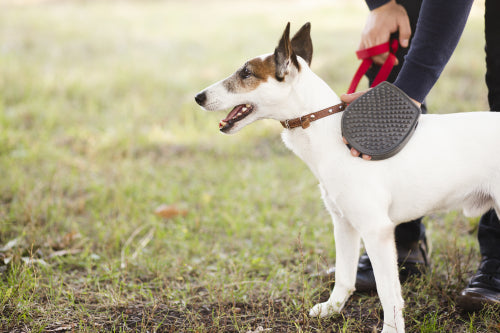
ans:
x=98 y=128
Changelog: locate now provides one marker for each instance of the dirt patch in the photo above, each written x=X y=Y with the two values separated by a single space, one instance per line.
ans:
x=362 y=314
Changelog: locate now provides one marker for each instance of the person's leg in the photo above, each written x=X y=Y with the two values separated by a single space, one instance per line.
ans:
x=484 y=286
x=492 y=48
x=489 y=235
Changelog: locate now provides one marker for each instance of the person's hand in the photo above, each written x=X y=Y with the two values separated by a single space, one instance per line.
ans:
x=349 y=98
x=381 y=23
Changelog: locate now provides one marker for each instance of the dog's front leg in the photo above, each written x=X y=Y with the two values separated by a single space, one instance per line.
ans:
x=347 y=242
x=380 y=246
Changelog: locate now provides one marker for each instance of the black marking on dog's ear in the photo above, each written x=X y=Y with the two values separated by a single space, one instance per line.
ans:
x=284 y=55
x=302 y=43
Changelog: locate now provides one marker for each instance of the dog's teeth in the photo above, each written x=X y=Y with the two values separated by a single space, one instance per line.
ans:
x=244 y=109
x=239 y=113
x=247 y=105
x=222 y=124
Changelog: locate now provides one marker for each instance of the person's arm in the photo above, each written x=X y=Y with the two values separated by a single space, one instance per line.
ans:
x=439 y=27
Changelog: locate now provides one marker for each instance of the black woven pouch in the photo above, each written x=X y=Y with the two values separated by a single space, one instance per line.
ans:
x=380 y=122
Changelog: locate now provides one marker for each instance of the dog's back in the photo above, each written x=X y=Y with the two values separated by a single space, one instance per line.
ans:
x=450 y=162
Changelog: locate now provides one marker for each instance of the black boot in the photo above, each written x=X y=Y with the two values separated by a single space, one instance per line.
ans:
x=483 y=288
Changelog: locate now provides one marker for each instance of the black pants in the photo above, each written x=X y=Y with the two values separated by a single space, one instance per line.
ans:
x=489 y=225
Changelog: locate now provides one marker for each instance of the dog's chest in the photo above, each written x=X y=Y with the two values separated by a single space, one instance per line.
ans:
x=299 y=143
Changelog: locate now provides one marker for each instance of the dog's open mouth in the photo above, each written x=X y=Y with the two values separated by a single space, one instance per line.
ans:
x=237 y=113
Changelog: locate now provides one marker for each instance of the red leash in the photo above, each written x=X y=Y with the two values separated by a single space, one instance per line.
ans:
x=366 y=55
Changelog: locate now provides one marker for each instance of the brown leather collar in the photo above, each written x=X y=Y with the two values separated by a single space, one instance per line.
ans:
x=305 y=121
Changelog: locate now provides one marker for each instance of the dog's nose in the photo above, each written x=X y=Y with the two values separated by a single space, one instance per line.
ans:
x=201 y=98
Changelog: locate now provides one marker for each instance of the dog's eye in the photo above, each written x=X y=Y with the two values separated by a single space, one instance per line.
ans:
x=245 y=73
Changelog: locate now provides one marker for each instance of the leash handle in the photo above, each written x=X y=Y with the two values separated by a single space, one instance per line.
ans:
x=366 y=55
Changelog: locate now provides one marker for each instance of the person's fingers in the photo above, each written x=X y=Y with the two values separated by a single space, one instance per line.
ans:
x=380 y=59
x=354 y=152
x=417 y=103
x=349 y=98
x=404 y=30
x=369 y=41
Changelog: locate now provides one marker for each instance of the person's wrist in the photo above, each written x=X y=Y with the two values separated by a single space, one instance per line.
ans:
x=416 y=102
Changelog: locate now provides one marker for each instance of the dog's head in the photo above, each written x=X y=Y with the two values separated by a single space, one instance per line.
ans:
x=256 y=90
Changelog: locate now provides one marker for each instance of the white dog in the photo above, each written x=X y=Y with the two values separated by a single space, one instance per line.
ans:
x=450 y=162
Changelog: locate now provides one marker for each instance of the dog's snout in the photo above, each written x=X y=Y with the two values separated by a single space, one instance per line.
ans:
x=201 y=98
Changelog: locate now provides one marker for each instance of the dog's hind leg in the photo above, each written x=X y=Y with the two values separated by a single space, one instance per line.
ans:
x=380 y=246
x=347 y=243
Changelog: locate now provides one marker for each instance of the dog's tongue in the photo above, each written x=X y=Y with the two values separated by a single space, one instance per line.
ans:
x=233 y=112
x=237 y=113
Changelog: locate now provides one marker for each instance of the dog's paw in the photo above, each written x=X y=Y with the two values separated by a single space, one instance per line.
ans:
x=323 y=310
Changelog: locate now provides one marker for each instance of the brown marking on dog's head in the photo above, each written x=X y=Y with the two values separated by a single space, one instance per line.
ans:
x=251 y=75
x=263 y=68
x=277 y=65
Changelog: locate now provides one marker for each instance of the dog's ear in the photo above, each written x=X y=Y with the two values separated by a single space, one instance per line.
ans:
x=284 y=55
x=302 y=43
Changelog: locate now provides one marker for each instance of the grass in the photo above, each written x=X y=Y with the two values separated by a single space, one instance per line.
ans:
x=98 y=129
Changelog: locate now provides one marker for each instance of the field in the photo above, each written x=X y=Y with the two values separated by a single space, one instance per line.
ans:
x=122 y=207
